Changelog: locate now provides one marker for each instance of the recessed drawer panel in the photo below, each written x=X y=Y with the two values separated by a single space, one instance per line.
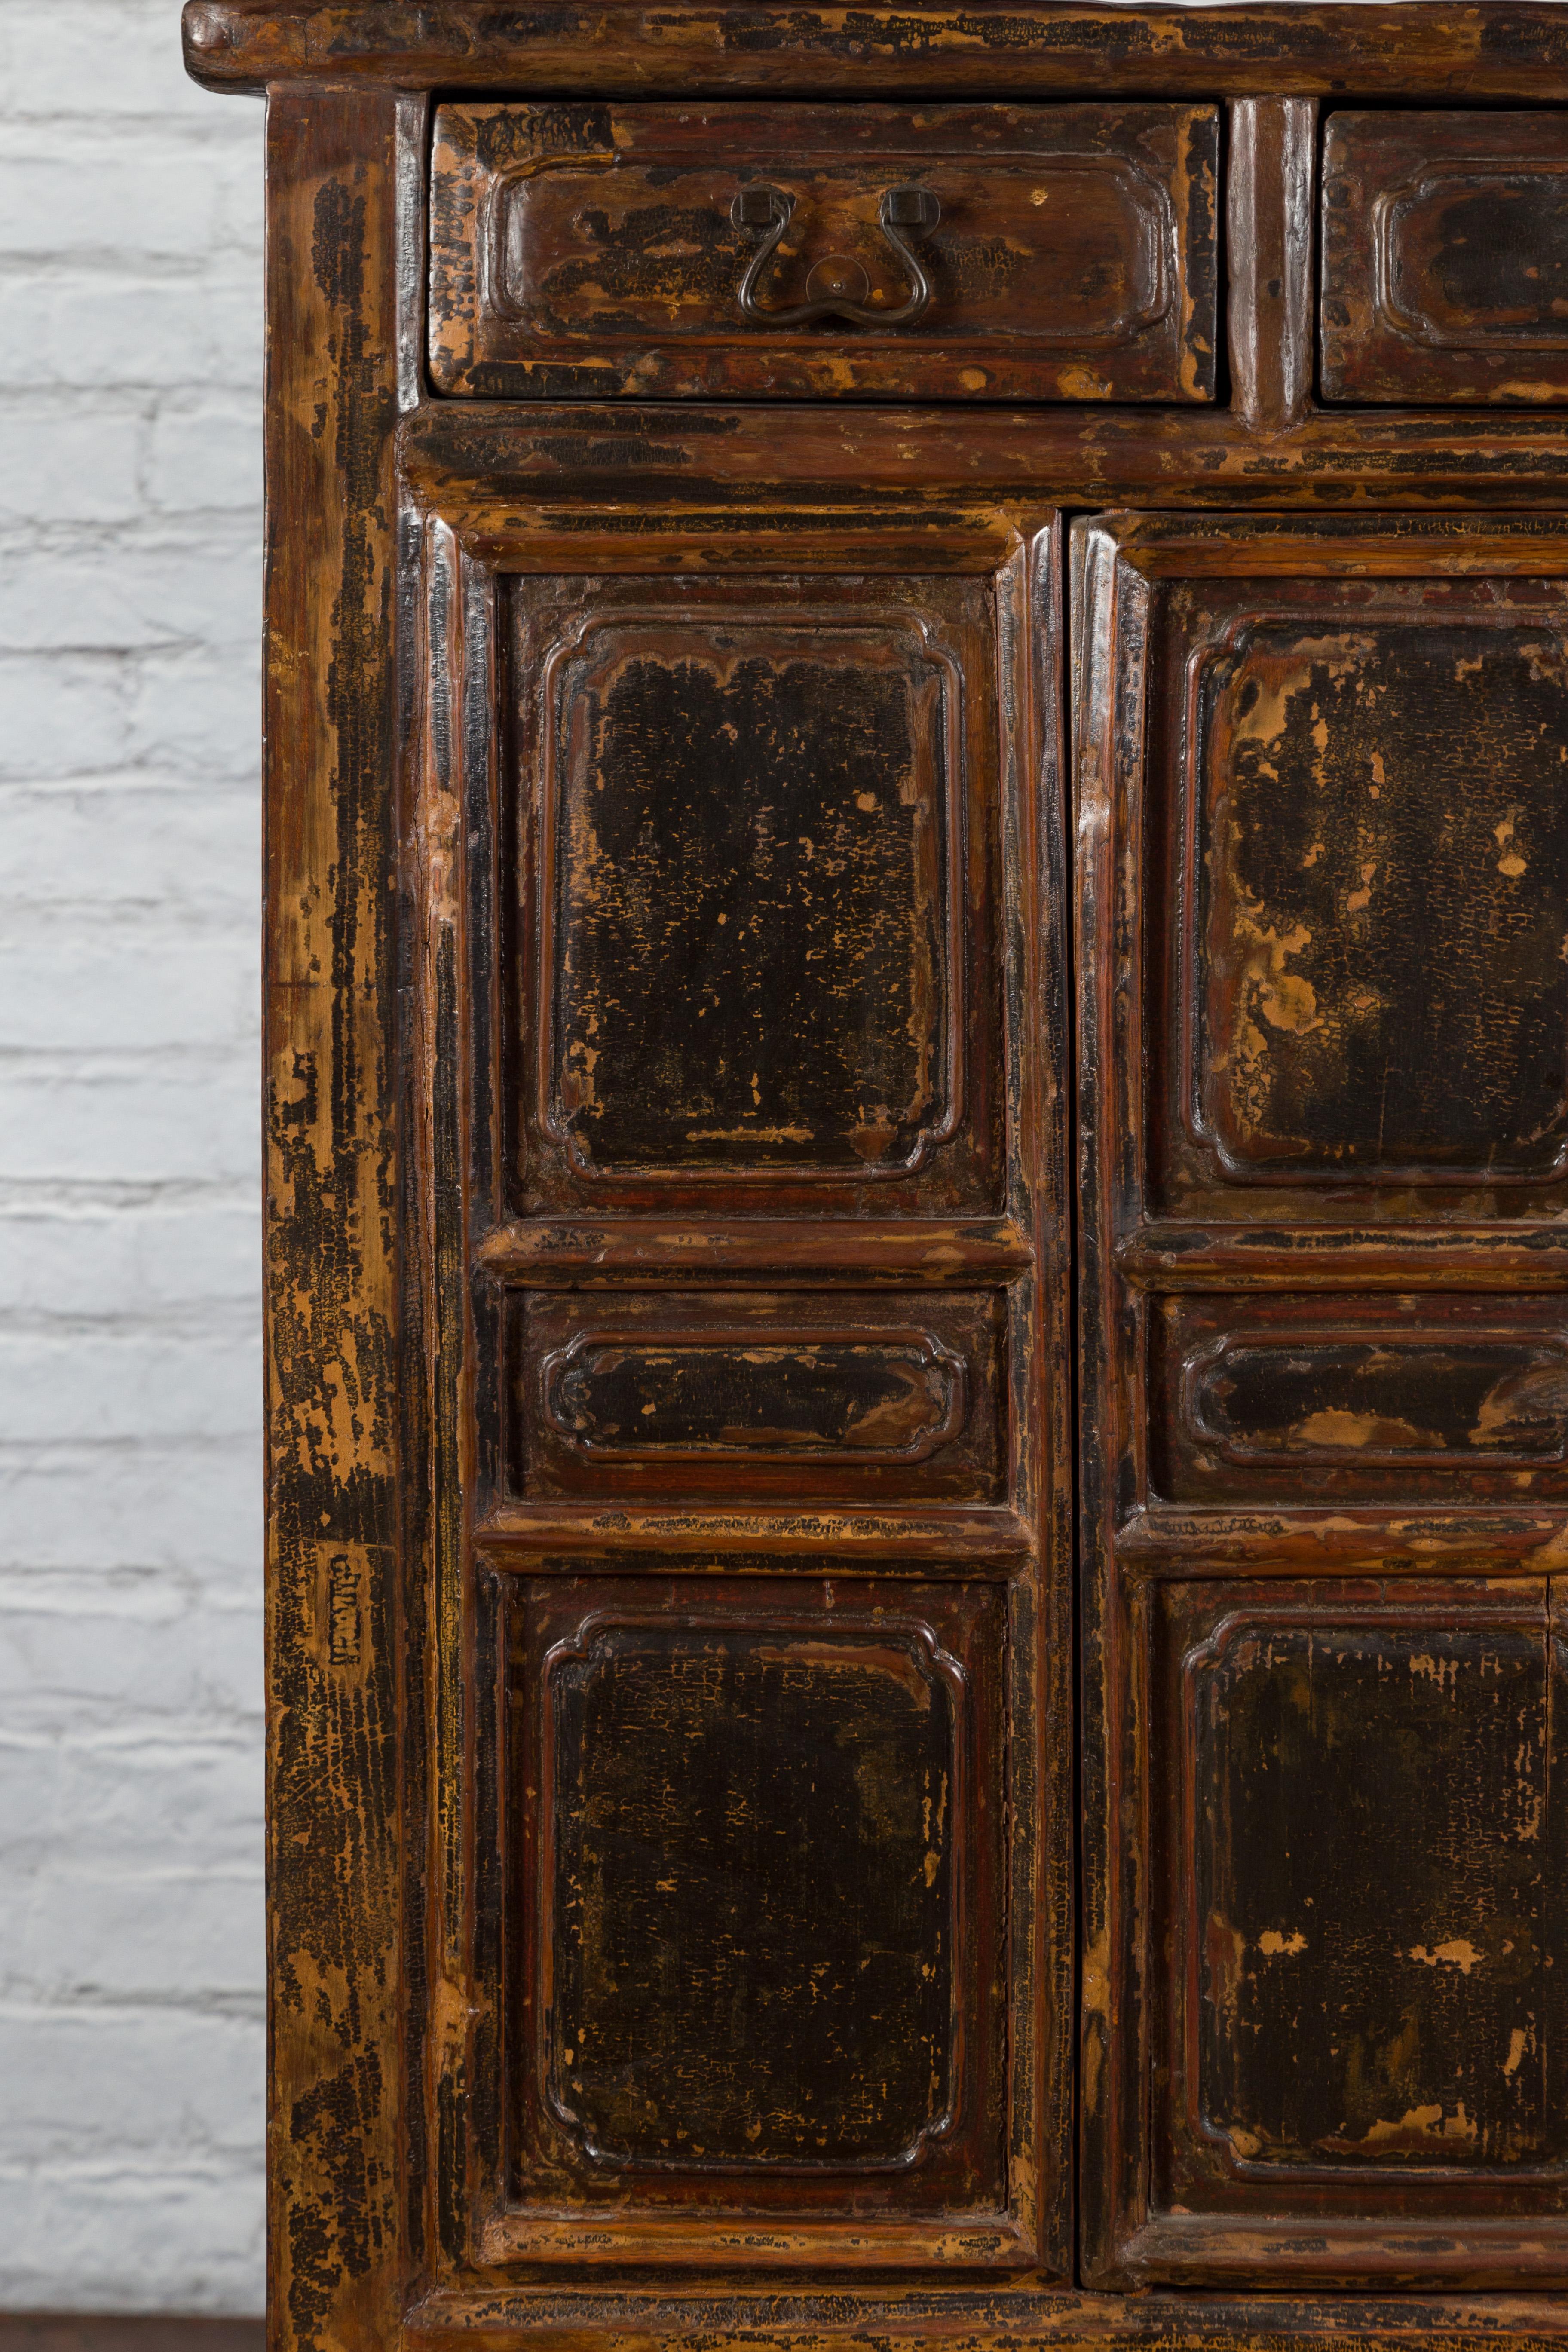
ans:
x=1056 y=252
x=1446 y=258
x=1380 y=1399
x=746 y=1393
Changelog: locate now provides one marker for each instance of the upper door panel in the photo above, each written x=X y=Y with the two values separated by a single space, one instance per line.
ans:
x=1446 y=258
x=948 y=253
x=759 y=859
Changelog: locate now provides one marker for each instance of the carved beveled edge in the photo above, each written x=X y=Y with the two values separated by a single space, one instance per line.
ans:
x=546 y=1253
x=1459 y=1608
x=854 y=1634
x=876 y=628
x=1414 y=48
x=1169 y=1256
x=1271 y=312
x=1391 y=208
x=518 y=1535
x=994 y=2318
x=1172 y=1541
x=1351 y=2259
x=982 y=2240
x=481 y=241
x=913 y=1344
x=1387 y=545
x=521 y=481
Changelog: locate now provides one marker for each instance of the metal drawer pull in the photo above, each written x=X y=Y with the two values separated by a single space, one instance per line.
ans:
x=838 y=284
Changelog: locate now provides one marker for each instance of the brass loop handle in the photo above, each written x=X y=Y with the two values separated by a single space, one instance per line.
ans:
x=903 y=215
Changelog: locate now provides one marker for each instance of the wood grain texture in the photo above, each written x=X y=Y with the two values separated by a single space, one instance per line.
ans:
x=336 y=2263
x=508 y=468
x=711 y=1759
x=1007 y=2317
x=691 y=1393
x=1324 y=1984
x=758 y=849
x=1269 y=181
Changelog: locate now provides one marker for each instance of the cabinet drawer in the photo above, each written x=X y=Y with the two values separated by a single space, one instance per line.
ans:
x=1446 y=258
x=983 y=252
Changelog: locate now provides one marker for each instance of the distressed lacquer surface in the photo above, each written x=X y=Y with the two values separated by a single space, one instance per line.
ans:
x=1388 y=1398
x=1320 y=1509
x=335 y=2134
x=755 y=1527
x=737 y=1393
x=754 y=1912
x=757 y=835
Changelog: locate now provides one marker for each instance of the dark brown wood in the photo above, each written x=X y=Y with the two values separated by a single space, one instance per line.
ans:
x=1356 y=2035
x=596 y=250
x=702 y=1903
x=884 y=741
x=1012 y=2317
x=1446 y=258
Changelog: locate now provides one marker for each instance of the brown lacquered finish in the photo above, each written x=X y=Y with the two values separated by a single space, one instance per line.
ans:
x=707 y=1905
x=604 y=249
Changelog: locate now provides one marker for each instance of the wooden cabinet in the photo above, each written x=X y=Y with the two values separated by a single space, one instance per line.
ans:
x=917 y=1116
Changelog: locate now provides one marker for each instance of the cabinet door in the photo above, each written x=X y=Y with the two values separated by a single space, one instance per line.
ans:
x=740 y=1047
x=1322 y=770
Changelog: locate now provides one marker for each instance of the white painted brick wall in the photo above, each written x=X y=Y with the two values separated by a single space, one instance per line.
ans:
x=130 y=1919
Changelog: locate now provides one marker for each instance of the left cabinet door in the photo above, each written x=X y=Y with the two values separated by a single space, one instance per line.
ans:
x=738 y=1056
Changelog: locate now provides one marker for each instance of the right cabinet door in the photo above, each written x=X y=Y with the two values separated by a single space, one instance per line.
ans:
x=1322 y=777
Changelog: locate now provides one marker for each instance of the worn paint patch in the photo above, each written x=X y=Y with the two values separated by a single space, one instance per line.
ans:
x=755 y=943
x=1380 y=1911
x=1429 y=1395
x=812 y=1398
x=1383 y=886
x=753 y=1898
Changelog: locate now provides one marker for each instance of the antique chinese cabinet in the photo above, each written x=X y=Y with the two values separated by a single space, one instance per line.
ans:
x=917 y=1112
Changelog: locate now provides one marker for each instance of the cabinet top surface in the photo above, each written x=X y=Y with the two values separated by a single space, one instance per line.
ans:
x=1491 y=50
